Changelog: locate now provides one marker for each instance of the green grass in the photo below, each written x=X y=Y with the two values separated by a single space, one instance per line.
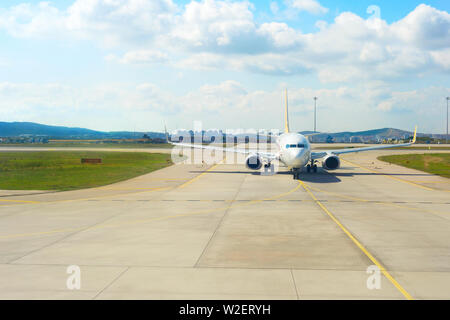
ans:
x=89 y=145
x=435 y=163
x=61 y=170
x=397 y=148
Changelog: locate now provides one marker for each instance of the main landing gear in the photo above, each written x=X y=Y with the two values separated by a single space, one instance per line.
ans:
x=269 y=169
x=312 y=168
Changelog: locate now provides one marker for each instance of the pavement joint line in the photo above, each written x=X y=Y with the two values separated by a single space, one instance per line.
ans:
x=143 y=266
x=75 y=231
x=88 y=199
x=386 y=203
x=358 y=244
x=148 y=220
x=393 y=177
x=219 y=223
x=295 y=285
x=109 y=195
x=111 y=283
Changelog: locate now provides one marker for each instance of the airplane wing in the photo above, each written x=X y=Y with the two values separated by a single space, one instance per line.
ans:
x=318 y=155
x=269 y=156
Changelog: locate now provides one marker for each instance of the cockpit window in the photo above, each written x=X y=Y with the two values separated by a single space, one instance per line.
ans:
x=300 y=145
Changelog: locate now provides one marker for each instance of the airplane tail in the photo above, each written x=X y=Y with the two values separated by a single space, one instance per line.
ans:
x=415 y=134
x=286 y=115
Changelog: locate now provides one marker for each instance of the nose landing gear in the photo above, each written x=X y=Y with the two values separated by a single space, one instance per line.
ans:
x=296 y=173
x=310 y=167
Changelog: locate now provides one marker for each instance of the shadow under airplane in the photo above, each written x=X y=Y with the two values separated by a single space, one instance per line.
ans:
x=322 y=176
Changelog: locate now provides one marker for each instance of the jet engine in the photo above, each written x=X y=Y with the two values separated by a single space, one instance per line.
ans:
x=253 y=162
x=331 y=162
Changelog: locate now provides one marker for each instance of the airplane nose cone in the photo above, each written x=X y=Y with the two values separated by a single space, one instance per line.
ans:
x=297 y=157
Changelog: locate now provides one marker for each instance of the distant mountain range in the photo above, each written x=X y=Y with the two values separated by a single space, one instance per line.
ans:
x=16 y=129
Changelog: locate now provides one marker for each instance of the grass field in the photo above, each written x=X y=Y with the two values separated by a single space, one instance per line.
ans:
x=89 y=145
x=435 y=163
x=398 y=148
x=55 y=170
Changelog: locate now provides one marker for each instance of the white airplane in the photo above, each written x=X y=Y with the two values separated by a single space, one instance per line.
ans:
x=294 y=151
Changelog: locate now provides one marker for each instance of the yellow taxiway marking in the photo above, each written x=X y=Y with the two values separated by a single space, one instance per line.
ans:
x=115 y=195
x=20 y=201
x=358 y=244
x=393 y=177
x=91 y=198
x=430 y=182
x=110 y=195
x=198 y=177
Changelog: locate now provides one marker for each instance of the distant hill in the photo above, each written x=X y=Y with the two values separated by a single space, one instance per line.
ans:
x=15 y=129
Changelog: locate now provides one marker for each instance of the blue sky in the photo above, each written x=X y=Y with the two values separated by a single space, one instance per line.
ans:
x=132 y=64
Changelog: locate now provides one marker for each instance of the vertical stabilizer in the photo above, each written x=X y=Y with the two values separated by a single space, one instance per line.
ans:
x=286 y=115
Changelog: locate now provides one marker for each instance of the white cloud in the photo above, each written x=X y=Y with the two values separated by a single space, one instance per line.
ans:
x=140 y=57
x=311 y=6
x=26 y=20
x=228 y=28
x=442 y=58
x=365 y=58
x=214 y=34
x=228 y=104
x=350 y=49
x=280 y=35
x=425 y=27
x=121 y=21
x=113 y=22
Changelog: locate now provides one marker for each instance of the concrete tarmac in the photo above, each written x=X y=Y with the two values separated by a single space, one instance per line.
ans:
x=195 y=231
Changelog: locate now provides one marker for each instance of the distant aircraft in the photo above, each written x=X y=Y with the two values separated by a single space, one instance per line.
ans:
x=294 y=150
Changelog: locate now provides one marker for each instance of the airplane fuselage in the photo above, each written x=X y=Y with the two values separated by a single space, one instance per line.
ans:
x=295 y=150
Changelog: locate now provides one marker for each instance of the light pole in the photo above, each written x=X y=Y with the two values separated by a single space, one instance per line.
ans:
x=315 y=112
x=446 y=137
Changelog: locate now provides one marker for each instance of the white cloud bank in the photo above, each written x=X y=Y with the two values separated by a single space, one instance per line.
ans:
x=362 y=57
x=311 y=6
x=158 y=31
x=225 y=105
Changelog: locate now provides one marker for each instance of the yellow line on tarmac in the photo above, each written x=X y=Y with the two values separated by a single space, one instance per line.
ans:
x=392 y=177
x=110 y=195
x=115 y=195
x=198 y=177
x=21 y=201
x=358 y=244
x=91 y=198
